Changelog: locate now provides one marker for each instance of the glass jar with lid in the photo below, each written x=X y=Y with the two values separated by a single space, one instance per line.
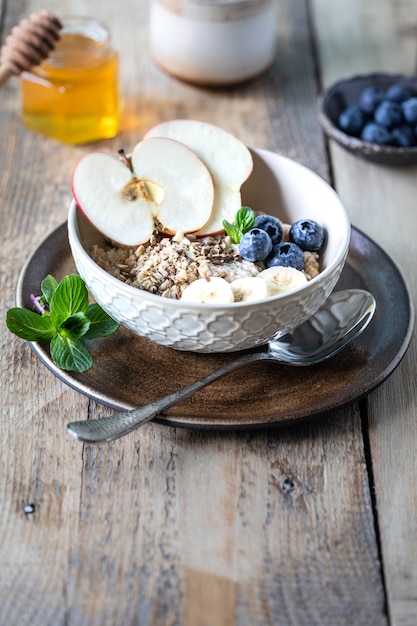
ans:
x=73 y=96
x=213 y=42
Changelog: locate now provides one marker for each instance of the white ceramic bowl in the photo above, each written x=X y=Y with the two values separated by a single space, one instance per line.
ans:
x=278 y=186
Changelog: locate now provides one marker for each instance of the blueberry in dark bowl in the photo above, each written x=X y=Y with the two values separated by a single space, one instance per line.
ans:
x=388 y=114
x=403 y=136
x=398 y=93
x=352 y=120
x=370 y=98
x=376 y=133
x=409 y=109
x=388 y=143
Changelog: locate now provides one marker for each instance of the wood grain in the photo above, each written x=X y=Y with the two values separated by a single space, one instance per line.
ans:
x=172 y=527
x=383 y=205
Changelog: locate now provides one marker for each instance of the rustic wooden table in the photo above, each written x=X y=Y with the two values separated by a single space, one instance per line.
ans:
x=310 y=525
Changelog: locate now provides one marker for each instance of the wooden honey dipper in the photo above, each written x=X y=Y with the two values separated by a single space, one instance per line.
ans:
x=29 y=43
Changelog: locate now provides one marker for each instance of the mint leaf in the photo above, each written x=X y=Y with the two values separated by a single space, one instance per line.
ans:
x=75 y=326
x=70 y=297
x=101 y=324
x=70 y=355
x=234 y=233
x=69 y=321
x=245 y=219
x=29 y=325
x=48 y=287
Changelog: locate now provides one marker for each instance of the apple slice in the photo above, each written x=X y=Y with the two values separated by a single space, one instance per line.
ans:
x=227 y=159
x=168 y=187
x=99 y=184
x=180 y=184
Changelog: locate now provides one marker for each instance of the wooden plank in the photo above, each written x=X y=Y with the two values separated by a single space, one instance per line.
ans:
x=355 y=37
x=382 y=204
x=249 y=529
x=168 y=526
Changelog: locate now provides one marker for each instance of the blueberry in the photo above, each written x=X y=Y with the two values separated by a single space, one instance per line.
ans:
x=352 y=120
x=388 y=114
x=307 y=234
x=376 y=133
x=409 y=108
x=370 y=98
x=271 y=225
x=255 y=245
x=402 y=136
x=286 y=254
x=398 y=93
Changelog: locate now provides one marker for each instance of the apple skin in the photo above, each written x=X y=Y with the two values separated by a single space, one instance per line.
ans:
x=97 y=181
x=168 y=188
x=187 y=185
x=226 y=157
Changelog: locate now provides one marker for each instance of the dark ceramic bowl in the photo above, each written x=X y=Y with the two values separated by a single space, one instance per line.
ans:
x=346 y=92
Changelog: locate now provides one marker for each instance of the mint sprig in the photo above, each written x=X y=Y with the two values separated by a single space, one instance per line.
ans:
x=66 y=319
x=244 y=221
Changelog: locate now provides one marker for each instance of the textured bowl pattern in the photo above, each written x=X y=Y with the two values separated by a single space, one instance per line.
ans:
x=223 y=328
x=211 y=329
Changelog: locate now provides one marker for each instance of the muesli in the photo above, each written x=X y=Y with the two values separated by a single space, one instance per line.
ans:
x=165 y=266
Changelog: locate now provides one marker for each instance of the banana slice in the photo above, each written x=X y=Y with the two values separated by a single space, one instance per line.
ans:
x=209 y=290
x=282 y=279
x=249 y=288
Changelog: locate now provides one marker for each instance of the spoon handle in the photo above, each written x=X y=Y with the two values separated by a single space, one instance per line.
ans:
x=109 y=428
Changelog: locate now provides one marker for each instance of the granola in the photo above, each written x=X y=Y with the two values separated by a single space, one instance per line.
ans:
x=166 y=265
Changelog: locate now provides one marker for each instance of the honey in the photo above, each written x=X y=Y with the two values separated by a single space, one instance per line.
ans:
x=73 y=95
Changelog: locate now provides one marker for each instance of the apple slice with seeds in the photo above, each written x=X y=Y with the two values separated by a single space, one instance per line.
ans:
x=167 y=187
x=228 y=160
x=184 y=200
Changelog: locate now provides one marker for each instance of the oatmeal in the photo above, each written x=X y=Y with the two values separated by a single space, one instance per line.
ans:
x=165 y=266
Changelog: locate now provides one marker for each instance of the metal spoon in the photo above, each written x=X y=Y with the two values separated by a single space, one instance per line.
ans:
x=342 y=318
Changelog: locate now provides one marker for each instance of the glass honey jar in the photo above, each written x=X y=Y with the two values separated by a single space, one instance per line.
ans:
x=73 y=96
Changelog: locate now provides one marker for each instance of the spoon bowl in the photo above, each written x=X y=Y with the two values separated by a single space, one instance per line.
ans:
x=341 y=319
x=344 y=316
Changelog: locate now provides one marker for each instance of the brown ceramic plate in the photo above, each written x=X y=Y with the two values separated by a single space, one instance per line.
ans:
x=345 y=92
x=129 y=371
